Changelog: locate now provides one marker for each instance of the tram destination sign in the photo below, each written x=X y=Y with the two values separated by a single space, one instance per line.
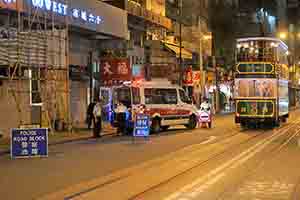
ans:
x=26 y=143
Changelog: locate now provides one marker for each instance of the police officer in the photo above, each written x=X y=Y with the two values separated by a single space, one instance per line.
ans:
x=98 y=119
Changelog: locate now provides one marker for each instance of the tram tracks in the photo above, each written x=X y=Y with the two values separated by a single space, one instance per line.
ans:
x=290 y=134
x=138 y=196
x=132 y=173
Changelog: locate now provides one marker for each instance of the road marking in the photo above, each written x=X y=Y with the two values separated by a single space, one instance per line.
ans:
x=266 y=190
x=205 y=186
x=210 y=139
x=231 y=164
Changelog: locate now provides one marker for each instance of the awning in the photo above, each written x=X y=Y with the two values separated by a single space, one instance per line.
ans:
x=175 y=48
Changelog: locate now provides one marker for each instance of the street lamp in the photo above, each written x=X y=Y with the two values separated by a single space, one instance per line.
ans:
x=207 y=37
x=282 y=35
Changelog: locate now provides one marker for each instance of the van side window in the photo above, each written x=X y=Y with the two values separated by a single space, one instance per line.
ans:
x=183 y=97
x=160 y=96
x=136 y=97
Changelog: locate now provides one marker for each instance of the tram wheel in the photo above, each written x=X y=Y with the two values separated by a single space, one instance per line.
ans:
x=284 y=119
x=243 y=124
x=276 y=123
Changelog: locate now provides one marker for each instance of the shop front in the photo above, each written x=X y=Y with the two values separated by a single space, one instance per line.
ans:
x=95 y=27
x=192 y=84
x=224 y=90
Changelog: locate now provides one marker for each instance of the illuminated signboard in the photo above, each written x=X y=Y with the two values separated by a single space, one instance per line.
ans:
x=62 y=9
x=12 y=4
x=9 y=1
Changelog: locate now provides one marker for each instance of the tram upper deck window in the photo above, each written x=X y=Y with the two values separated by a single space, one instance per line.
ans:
x=255 y=68
x=257 y=51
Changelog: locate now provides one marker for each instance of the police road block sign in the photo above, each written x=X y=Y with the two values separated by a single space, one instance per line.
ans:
x=31 y=142
x=141 y=126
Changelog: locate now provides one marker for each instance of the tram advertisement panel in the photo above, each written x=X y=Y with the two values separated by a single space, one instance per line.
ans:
x=255 y=108
x=250 y=87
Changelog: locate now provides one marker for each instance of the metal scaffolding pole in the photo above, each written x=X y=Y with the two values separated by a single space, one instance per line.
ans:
x=180 y=43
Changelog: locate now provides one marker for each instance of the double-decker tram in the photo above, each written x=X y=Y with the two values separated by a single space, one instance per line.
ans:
x=261 y=81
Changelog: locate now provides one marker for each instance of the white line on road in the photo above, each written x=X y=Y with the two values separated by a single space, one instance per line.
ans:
x=210 y=139
x=235 y=162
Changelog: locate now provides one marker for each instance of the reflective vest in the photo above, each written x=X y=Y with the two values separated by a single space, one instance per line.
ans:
x=97 y=110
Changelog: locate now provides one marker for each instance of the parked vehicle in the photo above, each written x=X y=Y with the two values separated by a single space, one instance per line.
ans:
x=166 y=104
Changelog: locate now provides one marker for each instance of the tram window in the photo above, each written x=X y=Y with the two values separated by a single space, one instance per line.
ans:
x=257 y=51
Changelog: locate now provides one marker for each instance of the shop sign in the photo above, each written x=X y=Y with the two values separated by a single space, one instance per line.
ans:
x=196 y=77
x=29 y=142
x=188 y=76
x=137 y=71
x=12 y=4
x=115 y=70
x=62 y=9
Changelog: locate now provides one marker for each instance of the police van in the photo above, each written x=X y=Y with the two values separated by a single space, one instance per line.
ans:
x=166 y=104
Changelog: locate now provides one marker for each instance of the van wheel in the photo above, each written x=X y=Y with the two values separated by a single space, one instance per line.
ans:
x=284 y=119
x=276 y=123
x=155 y=126
x=192 y=122
x=209 y=124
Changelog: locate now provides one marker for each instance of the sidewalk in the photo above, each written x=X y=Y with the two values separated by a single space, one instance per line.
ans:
x=62 y=137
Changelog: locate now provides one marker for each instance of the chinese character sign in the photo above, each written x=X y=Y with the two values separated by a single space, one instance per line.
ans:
x=62 y=9
x=141 y=126
x=115 y=70
x=188 y=76
x=29 y=142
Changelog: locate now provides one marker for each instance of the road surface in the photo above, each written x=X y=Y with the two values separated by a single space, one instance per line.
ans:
x=224 y=162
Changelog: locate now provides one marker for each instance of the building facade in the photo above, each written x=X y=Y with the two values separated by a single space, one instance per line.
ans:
x=53 y=55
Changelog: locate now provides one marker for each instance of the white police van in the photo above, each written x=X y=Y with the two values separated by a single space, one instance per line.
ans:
x=166 y=104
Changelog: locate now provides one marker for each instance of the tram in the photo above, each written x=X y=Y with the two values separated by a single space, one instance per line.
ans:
x=261 y=81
